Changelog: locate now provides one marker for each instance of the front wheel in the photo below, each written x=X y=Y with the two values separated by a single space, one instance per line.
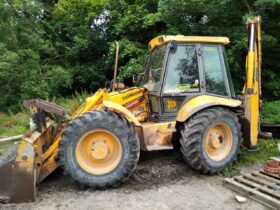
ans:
x=99 y=149
x=210 y=140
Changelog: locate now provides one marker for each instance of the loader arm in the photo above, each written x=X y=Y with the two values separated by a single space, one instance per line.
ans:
x=252 y=87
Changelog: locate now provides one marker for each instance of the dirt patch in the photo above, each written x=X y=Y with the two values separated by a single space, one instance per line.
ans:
x=153 y=170
x=162 y=180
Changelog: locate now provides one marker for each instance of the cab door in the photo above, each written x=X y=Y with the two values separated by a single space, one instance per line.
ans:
x=217 y=78
x=183 y=78
x=153 y=77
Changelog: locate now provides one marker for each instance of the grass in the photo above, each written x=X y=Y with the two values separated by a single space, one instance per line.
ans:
x=13 y=124
x=271 y=112
x=267 y=148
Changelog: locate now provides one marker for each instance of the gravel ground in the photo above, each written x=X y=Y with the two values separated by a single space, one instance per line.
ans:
x=162 y=180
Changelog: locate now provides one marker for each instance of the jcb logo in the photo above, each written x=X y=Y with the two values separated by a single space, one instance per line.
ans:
x=171 y=104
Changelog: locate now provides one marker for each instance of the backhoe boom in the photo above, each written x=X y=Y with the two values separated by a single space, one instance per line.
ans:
x=252 y=90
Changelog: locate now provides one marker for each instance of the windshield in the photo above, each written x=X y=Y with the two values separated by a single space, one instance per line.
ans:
x=154 y=68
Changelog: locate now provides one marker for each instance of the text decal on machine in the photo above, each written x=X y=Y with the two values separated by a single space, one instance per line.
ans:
x=130 y=95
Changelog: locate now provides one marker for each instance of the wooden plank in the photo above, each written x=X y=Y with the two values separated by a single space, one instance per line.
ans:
x=259 y=187
x=269 y=174
x=261 y=181
x=252 y=193
x=269 y=178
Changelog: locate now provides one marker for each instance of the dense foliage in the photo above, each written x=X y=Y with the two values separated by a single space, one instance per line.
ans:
x=54 y=48
x=271 y=112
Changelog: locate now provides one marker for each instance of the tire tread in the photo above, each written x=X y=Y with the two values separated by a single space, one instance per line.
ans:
x=192 y=134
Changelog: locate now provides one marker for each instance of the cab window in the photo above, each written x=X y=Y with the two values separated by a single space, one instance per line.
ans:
x=214 y=76
x=182 y=70
x=154 y=68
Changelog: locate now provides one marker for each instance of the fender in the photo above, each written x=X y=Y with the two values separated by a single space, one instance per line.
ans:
x=201 y=102
x=128 y=114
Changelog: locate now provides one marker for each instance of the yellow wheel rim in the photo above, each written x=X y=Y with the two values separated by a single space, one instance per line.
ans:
x=218 y=142
x=99 y=152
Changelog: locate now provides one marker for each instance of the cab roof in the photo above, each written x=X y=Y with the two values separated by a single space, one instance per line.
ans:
x=162 y=39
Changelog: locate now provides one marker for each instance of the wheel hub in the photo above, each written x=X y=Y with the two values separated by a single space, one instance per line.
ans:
x=100 y=150
x=216 y=141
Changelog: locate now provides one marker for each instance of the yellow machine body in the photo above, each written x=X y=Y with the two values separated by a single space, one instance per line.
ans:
x=37 y=153
x=204 y=101
x=161 y=40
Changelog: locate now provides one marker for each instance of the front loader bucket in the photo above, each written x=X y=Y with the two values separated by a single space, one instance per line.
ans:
x=17 y=174
x=35 y=157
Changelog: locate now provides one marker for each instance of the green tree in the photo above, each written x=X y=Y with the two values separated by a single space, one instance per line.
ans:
x=26 y=70
x=57 y=47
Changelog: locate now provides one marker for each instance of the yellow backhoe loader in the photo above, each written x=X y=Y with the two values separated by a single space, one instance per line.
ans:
x=186 y=97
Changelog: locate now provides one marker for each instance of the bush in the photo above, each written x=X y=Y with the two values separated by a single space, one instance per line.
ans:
x=73 y=103
x=271 y=112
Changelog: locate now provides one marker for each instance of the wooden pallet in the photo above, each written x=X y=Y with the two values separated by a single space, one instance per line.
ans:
x=260 y=186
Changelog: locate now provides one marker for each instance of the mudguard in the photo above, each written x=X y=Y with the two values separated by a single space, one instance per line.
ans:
x=127 y=114
x=201 y=102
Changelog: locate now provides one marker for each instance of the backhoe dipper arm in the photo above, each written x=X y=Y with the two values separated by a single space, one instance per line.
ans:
x=253 y=84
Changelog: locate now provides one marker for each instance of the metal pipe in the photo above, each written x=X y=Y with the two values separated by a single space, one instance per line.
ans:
x=252 y=37
x=251 y=56
x=11 y=138
x=116 y=66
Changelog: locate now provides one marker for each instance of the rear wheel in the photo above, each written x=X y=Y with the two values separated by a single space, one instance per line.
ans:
x=210 y=140
x=99 y=149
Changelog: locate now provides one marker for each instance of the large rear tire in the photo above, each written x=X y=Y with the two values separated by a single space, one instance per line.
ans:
x=99 y=149
x=210 y=140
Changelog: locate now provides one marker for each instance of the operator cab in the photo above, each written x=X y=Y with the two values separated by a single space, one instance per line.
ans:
x=183 y=67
